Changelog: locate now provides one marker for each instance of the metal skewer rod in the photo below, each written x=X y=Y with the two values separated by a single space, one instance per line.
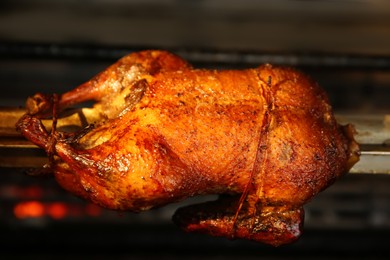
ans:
x=373 y=135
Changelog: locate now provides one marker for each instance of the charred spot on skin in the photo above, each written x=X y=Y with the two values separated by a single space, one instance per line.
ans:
x=331 y=151
x=317 y=157
x=269 y=82
x=281 y=220
x=136 y=93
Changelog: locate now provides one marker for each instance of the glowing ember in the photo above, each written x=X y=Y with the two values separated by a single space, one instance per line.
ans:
x=57 y=210
x=29 y=209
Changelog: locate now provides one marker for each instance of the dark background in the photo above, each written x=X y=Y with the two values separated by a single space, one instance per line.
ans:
x=52 y=46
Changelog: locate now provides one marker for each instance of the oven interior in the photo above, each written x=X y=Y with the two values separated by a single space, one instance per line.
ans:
x=53 y=46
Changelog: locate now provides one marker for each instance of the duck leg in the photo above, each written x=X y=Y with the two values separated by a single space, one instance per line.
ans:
x=271 y=225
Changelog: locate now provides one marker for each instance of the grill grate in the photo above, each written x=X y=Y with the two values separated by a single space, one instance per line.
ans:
x=205 y=57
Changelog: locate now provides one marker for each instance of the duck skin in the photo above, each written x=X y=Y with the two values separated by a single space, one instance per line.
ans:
x=264 y=139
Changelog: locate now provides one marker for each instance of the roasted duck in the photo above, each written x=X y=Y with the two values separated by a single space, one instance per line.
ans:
x=265 y=139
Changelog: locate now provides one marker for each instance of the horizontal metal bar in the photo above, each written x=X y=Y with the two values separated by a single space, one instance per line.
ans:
x=22 y=157
x=373 y=134
x=371 y=129
x=198 y=56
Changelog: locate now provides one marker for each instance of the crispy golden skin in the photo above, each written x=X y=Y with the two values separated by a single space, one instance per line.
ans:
x=265 y=138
